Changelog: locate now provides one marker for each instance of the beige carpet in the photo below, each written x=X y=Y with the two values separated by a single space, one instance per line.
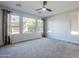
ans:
x=40 y=48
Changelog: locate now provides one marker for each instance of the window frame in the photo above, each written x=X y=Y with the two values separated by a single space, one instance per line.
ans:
x=11 y=26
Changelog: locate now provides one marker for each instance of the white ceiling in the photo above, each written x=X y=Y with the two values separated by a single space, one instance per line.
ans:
x=30 y=6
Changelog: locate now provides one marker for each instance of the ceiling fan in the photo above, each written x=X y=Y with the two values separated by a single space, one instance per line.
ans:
x=44 y=7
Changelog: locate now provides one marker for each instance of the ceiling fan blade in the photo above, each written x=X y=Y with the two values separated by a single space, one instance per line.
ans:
x=48 y=9
x=38 y=9
x=44 y=3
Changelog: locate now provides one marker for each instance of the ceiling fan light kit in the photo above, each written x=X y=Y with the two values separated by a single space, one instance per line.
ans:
x=44 y=9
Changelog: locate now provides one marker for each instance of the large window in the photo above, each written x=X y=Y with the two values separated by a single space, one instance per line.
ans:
x=14 y=24
x=19 y=25
x=32 y=25
x=29 y=25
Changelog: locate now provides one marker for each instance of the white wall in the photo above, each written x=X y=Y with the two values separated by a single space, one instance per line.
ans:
x=59 y=27
x=24 y=37
x=1 y=28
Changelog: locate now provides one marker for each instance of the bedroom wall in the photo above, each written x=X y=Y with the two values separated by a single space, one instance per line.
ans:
x=24 y=36
x=59 y=27
x=1 y=28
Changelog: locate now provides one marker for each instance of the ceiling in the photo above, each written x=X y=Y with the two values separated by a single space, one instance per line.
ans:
x=30 y=6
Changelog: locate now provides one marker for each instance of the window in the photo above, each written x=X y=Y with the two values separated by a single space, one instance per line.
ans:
x=14 y=24
x=74 y=18
x=32 y=25
x=29 y=25
x=39 y=26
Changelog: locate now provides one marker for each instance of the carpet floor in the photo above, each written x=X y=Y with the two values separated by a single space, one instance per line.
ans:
x=40 y=48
